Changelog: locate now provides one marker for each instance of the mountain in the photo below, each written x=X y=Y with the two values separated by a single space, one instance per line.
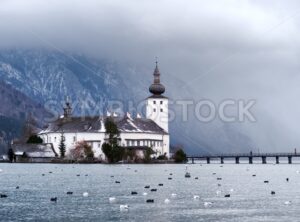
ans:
x=14 y=110
x=42 y=79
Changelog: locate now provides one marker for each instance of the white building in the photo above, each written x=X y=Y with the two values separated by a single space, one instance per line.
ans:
x=137 y=133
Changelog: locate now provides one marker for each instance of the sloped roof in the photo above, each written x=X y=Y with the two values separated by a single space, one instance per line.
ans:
x=96 y=124
x=34 y=150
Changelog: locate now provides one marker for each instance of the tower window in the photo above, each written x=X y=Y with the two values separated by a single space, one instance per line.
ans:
x=154 y=110
x=161 y=110
x=161 y=102
x=154 y=102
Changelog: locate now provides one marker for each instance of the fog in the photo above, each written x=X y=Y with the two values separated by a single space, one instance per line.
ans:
x=240 y=50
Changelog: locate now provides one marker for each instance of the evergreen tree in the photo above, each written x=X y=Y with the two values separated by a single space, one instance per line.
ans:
x=180 y=156
x=35 y=139
x=29 y=128
x=62 y=146
x=111 y=148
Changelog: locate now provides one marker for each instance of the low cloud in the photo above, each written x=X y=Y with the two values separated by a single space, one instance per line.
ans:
x=218 y=49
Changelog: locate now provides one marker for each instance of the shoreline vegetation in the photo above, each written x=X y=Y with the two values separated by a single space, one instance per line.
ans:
x=178 y=157
x=67 y=161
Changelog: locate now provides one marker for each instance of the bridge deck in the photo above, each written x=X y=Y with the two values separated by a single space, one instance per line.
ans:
x=241 y=155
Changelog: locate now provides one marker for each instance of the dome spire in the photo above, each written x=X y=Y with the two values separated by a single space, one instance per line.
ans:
x=156 y=88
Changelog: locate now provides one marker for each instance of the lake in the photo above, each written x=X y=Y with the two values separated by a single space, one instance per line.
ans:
x=250 y=198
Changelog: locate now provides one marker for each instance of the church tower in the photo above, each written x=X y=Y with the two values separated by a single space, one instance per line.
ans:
x=67 y=109
x=157 y=104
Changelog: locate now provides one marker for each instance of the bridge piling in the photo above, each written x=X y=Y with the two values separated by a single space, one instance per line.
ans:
x=237 y=160
x=250 y=160
x=290 y=159
x=264 y=159
x=208 y=160
x=222 y=160
x=277 y=159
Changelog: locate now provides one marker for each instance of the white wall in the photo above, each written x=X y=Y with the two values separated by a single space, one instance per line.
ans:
x=161 y=143
x=158 y=111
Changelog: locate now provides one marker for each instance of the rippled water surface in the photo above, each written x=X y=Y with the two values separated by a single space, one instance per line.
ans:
x=250 y=199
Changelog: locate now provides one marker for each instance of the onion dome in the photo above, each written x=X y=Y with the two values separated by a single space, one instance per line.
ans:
x=157 y=88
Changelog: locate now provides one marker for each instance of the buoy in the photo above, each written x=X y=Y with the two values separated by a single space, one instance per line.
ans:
x=3 y=196
x=272 y=192
x=124 y=207
x=150 y=201
x=134 y=193
x=167 y=201
x=69 y=193
x=196 y=197
x=145 y=194
x=53 y=199
x=207 y=204
x=287 y=179
x=112 y=199
x=173 y=194
x=85 y=194
x=227 y=195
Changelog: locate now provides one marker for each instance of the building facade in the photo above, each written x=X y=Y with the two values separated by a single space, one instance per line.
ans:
x=135 y=132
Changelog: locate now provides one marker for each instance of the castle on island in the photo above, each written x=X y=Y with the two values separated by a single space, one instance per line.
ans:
x=138 y=133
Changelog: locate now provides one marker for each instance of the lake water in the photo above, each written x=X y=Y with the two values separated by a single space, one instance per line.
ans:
x=250 y=199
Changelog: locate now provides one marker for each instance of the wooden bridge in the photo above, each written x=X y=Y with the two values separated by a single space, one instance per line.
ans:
x=249 y=156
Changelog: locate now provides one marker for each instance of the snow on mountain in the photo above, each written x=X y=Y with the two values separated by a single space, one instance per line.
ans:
x=48 y=77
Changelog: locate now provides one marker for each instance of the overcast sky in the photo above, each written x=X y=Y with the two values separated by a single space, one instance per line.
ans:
x=219 y=49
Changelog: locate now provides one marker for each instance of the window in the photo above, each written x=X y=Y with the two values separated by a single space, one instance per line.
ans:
x=154 y=110
x=154 y=102
x=161 y=102
x=138 y=143
x=161 y=110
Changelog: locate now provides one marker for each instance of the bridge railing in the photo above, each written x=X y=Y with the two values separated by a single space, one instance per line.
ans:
x=224 y=155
